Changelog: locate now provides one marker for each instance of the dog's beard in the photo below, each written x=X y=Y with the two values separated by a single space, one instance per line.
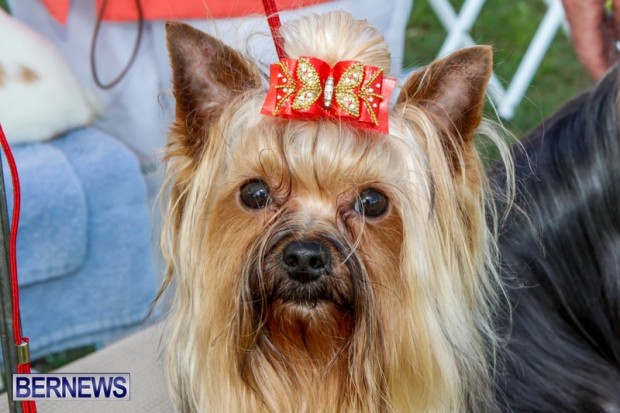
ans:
x=308 y=330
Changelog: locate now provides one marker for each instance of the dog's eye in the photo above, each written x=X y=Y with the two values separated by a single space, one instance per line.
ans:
x=255 y=194
x=371 y=203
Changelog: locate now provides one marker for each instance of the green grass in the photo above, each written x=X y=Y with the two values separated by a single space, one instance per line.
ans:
x=3 y=5
x=53 y=362
x=509 y=28
x=57 y=360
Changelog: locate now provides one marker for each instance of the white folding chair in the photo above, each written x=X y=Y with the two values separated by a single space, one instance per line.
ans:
x=458 y=27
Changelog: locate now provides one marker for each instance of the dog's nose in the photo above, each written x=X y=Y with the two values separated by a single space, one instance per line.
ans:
x=305 y=261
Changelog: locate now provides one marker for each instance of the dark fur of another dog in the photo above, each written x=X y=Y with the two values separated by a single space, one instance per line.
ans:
x=561 y=256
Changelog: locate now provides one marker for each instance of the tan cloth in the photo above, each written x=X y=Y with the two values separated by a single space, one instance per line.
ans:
x=140 y=355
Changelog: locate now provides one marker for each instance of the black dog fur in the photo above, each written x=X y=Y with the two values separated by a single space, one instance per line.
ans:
x=561 y=258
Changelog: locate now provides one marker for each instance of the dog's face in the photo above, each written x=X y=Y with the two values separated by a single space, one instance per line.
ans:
x=320 y=267
x=316 y=235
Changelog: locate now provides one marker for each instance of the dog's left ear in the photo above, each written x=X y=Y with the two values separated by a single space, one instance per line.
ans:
x=206 y=74
x=453 y=89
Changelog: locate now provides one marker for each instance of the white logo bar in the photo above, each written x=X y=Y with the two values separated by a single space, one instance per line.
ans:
x=71 y=386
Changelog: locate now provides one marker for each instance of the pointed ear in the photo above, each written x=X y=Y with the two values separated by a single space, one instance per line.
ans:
x=453 y=89
x=206 y=74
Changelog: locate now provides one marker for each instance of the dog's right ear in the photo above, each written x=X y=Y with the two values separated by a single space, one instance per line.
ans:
x=453 y=89
x=205 y=75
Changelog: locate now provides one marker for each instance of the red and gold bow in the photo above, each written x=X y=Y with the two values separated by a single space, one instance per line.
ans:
x=309 y=88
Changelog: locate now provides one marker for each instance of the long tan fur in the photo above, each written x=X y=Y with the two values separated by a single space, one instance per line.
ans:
x=408 y=324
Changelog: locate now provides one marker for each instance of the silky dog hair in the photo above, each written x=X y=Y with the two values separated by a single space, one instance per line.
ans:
x=403 y=321
x=561 y=256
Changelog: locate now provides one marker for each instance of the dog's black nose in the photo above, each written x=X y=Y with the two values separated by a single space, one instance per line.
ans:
x=305 y=261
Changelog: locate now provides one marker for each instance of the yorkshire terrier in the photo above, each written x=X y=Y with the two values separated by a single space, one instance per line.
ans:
x=561 y=256
x=330 y=252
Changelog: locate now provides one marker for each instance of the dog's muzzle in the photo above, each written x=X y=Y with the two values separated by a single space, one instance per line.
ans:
x=303 y=268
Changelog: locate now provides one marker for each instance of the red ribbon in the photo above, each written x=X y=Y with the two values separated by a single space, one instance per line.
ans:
x=308 y=88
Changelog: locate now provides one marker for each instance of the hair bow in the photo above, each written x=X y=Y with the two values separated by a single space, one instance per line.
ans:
x=308 y=88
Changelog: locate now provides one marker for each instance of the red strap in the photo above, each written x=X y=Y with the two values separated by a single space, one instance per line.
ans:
x=28 y=406
x=13 y=236
x=273 y=18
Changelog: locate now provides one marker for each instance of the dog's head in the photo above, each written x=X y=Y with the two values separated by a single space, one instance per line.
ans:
x=319 y=266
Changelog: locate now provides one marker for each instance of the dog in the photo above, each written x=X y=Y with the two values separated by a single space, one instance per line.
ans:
x=560 y=254
x=320 y=264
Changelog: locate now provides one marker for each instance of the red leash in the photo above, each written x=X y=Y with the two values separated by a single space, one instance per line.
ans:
x=273 y=18
x=23 y=352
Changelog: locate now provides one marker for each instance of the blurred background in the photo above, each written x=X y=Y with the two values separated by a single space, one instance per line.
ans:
x=509 y=28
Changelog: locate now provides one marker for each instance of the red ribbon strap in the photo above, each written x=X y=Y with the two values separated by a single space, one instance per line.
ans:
x=309 y=88
x=273 y=19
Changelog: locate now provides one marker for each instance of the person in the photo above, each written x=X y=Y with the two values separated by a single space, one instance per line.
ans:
x=594 y=32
